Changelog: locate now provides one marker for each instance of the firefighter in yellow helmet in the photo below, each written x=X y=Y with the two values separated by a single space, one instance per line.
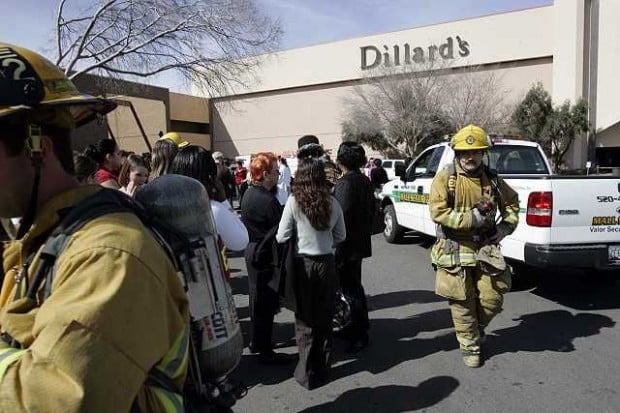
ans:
x=474 y=210
x=85 y=338
x=175 y=138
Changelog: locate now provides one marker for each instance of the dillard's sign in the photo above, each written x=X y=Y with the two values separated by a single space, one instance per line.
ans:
x=372 y=56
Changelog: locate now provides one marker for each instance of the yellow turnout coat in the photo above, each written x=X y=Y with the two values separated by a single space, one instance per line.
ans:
x=116 y=309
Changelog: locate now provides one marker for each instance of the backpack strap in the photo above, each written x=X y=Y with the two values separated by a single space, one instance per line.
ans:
x=451 y=169
x=1 y=262
x=493 y=177
x=104 y=202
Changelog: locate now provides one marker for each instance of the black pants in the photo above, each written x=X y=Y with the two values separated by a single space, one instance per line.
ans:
x=264 y=304
x=350 y=273
x=315 y=289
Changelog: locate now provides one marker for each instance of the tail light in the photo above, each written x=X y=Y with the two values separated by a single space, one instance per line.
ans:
x=539 y=209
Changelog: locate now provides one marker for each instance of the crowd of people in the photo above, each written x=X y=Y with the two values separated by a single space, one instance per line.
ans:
x=326 y=219
x=115 y=309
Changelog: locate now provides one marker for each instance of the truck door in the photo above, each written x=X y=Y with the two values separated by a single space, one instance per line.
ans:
x=411 y=196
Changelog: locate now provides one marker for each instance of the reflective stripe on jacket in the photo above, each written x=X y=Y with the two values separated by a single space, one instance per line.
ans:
x=460 y=246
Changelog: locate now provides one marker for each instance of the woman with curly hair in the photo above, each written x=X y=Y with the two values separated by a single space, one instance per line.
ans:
x=314 y=218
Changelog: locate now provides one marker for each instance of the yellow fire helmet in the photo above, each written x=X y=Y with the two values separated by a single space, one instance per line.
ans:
x=471 y=137
x=174 y=137
x=30 y=83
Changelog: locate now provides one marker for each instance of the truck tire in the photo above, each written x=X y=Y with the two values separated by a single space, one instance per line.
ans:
x=523 y=277
x=393 y=232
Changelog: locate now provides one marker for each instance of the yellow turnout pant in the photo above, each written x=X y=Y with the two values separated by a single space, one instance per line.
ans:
x=483 y=301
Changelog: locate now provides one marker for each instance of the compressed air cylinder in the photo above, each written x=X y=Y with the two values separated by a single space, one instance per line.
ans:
x=182 y=203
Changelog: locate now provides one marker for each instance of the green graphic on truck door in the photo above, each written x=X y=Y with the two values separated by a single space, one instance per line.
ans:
x=403 y=196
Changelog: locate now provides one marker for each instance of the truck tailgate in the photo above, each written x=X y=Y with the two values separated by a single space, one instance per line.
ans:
x=585 y=210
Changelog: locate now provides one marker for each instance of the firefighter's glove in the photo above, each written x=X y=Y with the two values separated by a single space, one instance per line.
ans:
x=501 y=231
x=484 y=206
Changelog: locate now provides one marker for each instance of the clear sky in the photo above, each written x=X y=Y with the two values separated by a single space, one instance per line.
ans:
x=30 y=23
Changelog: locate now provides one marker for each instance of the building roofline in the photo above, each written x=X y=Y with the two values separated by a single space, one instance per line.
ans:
x=543 y=59
x=407 y=29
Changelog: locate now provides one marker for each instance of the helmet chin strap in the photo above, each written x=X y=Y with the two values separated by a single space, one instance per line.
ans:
x=35 y=137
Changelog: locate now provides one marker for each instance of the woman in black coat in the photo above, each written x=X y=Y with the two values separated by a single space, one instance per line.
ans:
x=261 y=213
x=355 y=194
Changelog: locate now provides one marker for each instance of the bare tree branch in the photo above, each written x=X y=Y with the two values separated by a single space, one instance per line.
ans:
x=399 y=110
x=85 y=35
x=142 y=38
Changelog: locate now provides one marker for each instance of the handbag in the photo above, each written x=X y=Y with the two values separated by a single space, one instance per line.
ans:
x=342 y=314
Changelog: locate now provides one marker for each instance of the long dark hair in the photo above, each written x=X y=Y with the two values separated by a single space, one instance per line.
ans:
x=312 y=193
x=164 y=152
x=100 y=149
x=85 y=167
x=197 y=162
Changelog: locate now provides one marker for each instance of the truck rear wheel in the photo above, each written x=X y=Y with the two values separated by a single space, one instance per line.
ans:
x=393 y=232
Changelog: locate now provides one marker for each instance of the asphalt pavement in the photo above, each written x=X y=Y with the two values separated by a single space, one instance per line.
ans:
x=554 y=348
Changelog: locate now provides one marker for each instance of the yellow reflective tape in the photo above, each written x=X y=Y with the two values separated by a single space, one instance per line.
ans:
x=171 y=402
x=224 y=259
x=7 y=357
x=175 y=361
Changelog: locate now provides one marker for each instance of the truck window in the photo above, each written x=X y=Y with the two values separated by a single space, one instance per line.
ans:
x=387 y=164
x=426 y=164
x=512 y=159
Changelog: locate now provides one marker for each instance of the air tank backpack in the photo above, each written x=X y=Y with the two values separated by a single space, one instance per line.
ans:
x=177 y=211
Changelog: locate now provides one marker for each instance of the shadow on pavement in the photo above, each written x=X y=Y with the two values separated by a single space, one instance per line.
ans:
x=235 y=254
x=251 y=372
x=401 y=298
x=546 y=331
x=243 y=313
x=239 y=284
x=579 y=290
x=392 y=342
x=390 y=399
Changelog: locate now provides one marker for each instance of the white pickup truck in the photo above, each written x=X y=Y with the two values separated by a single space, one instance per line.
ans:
x=565 y=221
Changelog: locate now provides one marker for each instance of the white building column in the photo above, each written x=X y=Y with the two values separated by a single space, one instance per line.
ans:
x=568 y=64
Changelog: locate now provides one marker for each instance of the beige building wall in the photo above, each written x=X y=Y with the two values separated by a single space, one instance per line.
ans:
x=608 y=137
x=124 y=127
x=496 y=38
x=191 y=109
x=301 y=91
x=568 y=59
x=274 y=121
x=608 y=90
x=568 y=31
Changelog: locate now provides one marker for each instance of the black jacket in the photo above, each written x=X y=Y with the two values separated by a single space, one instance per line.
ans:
x=227 y=179
x=356 y=197
x=260 y=212
x=378 y=176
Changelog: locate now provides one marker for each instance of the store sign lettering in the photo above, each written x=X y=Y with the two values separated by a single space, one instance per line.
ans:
x=373 y=56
